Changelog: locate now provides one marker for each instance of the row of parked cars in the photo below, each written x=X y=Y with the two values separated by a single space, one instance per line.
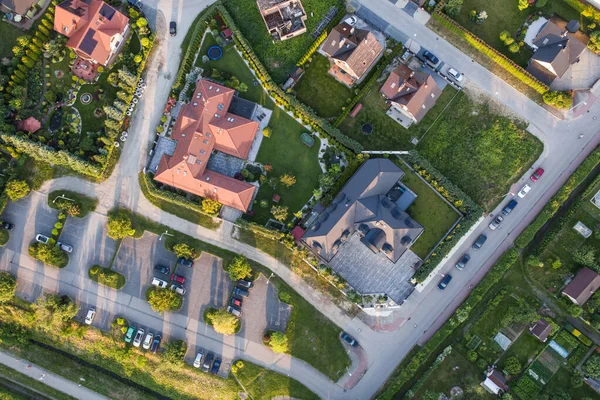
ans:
x=148 y=341
x=178 y=281
x=207 y=363
x=62 y=245
x=495 y=224
x=235 y=301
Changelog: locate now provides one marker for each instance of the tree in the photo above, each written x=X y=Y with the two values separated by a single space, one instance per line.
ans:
x=49 y=254
x=575 y=310
x=504 y=35
x=523 y=4
x=592 y=366
x=453 y=7
x=576 y=380
x=223 y=322
x=279 y=342
x=162 y=300
x=119 y=226
x=16 y=190
x=211 y=206
x=556 y=264
x=137 y=58
x=242 y=87
x=239 y=268
x=586 y=256
x=183 y=250
x=560 y=395
x=594 y=43
x=145 y=42
x=141 y=22
x=513 y=366
x=514 y=48
x=534 y=261
x=507 y=396
x=175 y=352
x=472 y=355
x=560 y=100
x=288 y=180
x=267 y=131
x=280 y=213
x=8 y=287
x=54 y=311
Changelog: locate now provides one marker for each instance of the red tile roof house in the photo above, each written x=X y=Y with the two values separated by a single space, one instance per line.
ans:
x=352 y=52
x=96 y=31
x=202 y=126
x=410 y=94
x=583 y=286
x=24 y=8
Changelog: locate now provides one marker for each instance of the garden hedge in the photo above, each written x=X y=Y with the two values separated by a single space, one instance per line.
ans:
x=260 y=229
x=311 y=50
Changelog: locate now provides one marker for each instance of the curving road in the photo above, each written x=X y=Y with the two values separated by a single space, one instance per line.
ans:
x=429 y=308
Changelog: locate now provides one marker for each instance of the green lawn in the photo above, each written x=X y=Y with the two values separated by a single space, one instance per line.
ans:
x=525 y=348
x=320 y=90
x=288 y=155
x=264 y=384
x=430 y=210
x=561 y=381
x=278 y=57
x=387 y=133
x=9 y=35
x=86 y=204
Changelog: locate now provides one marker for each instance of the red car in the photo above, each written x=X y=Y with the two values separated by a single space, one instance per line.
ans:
x=537 y=174
x=178 y=278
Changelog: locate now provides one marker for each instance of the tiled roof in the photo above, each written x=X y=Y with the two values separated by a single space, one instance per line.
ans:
x=583 y=286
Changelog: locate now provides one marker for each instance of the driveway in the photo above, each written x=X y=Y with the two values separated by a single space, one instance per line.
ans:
x=581 y=75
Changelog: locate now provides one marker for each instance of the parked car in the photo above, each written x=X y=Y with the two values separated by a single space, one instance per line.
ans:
x=462 y=262
x=496 y=222
x=509 y=207
x=178 y=278
x=129 y=334
x=148 y=341
x=155 y=343
x=159 y=282
x=7 y=225
x=537 y=174
x=444 y=283
x=215 y=368
x=64 y=247
x=234 y=310
x=236 y=302
x=135 y=3
x=349 y=339
x=245 y=284
x=198 y=359
x=524 y=190
x=207 y=362
x=178 y=289
x=89 y=318
x=186 y=262
x=479 y=242
x=455 y=74
x=173 y=28
x=238 y=291
x=138 y=337
x=161 y=269
x=42 y=238
x=431 y=57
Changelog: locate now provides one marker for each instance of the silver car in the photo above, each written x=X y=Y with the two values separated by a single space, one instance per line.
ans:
x=42 y=238
x=137 y=341
x=148 y=341
x=90 y=316
x=64 y=247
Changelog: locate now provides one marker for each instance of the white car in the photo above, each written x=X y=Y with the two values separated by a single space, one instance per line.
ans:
x=64 y=247
x=178 y=289
x=524 y=190
x=159 y=283
x=42 y=238
x=198 y=359
x=90 y=316
x=455 y=74
x=148 y=341
x=138 y=337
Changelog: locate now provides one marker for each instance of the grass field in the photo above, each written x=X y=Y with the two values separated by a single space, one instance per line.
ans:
x=264 y=384
x=280 y=56
x=86 y=204
x=9 y=35
x=320 y=91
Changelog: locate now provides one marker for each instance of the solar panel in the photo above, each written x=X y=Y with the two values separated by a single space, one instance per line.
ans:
x=88 y=44
x=107 y=11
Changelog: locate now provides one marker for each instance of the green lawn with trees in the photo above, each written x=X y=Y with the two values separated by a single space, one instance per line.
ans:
x=72 y=203
x=107 y=277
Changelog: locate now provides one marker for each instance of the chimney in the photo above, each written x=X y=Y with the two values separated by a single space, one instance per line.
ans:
x=342 y=42
x=352 y=30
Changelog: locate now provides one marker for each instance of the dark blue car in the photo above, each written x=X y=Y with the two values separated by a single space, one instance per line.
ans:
x=431 y=57
x=444 y=283
x=215 y=368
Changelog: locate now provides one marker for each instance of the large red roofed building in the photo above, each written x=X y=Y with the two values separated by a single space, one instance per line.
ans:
x=204 y=125
x=96 y=30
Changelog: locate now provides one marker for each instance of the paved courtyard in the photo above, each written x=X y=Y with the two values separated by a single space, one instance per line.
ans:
x=581 y=75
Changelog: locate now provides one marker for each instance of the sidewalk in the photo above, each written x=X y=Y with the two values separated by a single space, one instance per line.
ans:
x=55 y=381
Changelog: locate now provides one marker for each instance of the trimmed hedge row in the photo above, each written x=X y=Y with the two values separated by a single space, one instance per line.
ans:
x=311 y=50
x=404 y=375
x=586 y=167
x=260 y=230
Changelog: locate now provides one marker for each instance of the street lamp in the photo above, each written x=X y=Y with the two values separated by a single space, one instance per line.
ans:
x=270 y=276
x=62 y=196
x=165 y=233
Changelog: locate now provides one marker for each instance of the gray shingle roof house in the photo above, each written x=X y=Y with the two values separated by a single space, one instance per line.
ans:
x=557 y=49
x=367 y=206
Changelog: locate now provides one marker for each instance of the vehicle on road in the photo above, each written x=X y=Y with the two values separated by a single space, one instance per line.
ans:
x=178 y=289
x=537 y=174
x=234 y=310
x=215 y=368
x=349 y=339
x=479 y=242
x=64 y=247
x=89 y=318
x=444 y=283
x=524 y=190
x=7 y=225
x=186 y=262
x=245 y=284
x=235 y=301
x=198 y=359
x=238 y=291
x=129 y=334
x=178 y=278
x=138 y=338
x=455 y=74
x=42 y=238
x=148 y=341
x=509 y=207
x=462 y=262
x=161 y=269
x=173 y=28
x=159 y=282
x=496 y=222
x=431 y=57
x=155 y=343
x=207 y=362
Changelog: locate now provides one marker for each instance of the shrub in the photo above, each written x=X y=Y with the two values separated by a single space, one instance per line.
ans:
x=183 y=250
x=280 y=213
x=594 y=43
x=175 y=352
x=592 y=366
x=162 y=300
x=453 y=7
x=8 y=287
x=472 y=355
x=94 y=270
x=49 y=254
x=210 y=206
x=523 y=4
x=287 y=180
x=239 y=268
x=17 y=189
x=560 y=100
x=514 y=47
x=284 y=297
x=279 y=342
x=223 y=322
x=513 y=366
x=267 y=131
x=586 y=256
